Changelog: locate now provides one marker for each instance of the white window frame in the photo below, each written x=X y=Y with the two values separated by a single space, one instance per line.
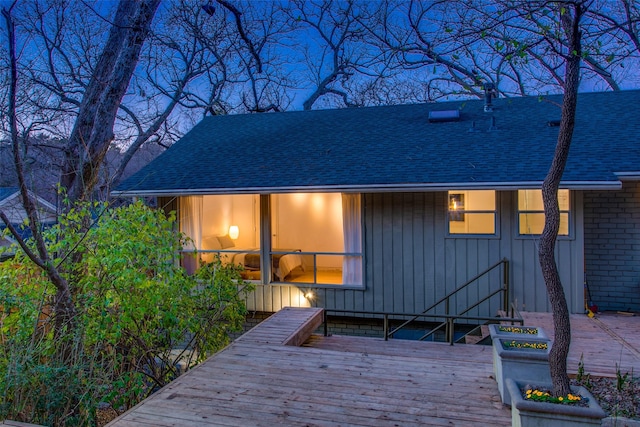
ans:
x=568 y=212
x=450 y=214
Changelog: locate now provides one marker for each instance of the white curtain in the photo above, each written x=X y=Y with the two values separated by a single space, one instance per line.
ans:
x=190 y=221
x=352 y=230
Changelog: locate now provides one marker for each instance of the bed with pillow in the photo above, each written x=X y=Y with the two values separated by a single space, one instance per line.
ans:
x=249 y=258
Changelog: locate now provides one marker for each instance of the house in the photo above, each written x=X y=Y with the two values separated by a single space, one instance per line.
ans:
x=11 y=205
x=390 y=208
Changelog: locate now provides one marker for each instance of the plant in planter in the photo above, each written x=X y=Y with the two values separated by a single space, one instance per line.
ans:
x=533 y=406
x=544 y=396
x=520 y=359
x=500 y=331
x=525 y=330
x=524 y=345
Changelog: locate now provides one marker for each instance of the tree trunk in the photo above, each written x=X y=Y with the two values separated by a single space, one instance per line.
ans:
x=88 y=142
x=546 y=250
x=93 y=129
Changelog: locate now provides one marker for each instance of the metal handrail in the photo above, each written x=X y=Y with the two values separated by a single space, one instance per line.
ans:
x=446 y=323
x=449 y=318
x=446 y=298
x=514 y=310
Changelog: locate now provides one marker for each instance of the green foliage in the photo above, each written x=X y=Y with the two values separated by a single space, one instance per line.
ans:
x=141 y=319
x=621 y=379
x=583 y=378
x=41 y=388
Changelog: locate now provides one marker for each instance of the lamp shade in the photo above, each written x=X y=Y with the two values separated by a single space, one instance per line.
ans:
x=234 y=232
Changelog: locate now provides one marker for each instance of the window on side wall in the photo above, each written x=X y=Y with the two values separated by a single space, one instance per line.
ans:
x=472 y=212
x=531 y=212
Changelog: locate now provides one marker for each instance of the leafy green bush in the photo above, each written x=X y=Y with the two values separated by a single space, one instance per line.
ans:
x=141 y=319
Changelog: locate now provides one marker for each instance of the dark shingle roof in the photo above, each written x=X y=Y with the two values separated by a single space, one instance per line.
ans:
x=396 y=147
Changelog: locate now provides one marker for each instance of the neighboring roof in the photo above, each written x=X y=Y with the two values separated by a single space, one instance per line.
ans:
x=5 y=192
x=396 y=148
x=8 y=194
x=11 y=205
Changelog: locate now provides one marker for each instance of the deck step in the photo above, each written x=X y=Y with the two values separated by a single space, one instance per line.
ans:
x=478 y=336
x=289 y=326
x=502 y=313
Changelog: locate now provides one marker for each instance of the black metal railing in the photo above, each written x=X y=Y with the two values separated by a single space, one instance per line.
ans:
x=450 y=319
x=447 y=321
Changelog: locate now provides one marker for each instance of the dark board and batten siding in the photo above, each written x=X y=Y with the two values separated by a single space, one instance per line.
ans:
x=410 y=261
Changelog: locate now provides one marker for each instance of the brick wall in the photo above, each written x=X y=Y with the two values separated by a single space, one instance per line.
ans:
x=367 y=327
x=612 y=247
x=252 y=319
x=355 y=327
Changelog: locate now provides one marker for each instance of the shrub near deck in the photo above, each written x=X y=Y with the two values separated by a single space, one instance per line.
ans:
x=137 y=310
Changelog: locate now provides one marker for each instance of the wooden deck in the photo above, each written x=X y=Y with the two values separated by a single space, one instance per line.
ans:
x=264 y=378
x=606 y=342
x=259 y=381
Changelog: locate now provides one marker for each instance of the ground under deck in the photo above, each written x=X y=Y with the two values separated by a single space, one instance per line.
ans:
x=264 y=378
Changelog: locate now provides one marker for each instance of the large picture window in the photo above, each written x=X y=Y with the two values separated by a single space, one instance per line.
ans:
x=531 y=212
x=325 y=228
x=472 y=212
x=314 y=238
x=226 y=226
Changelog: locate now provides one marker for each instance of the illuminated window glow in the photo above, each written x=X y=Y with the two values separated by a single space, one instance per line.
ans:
x=316 y=238
x=472 y=212
x=531 y=212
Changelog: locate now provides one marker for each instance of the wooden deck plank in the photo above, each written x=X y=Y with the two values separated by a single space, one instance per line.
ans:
x=605 y=343
x=323 y=406
x=353 y=381
x=441 y=391
x=338 y=370
x=255 y=381
x=289 y=326
x=381 y=367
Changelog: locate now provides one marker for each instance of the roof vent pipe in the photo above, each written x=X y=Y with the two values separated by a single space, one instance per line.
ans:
x=493 y=124
x=489 y=92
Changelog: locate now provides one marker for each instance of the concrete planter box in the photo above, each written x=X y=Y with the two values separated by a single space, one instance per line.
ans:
x=526 y=413
x=520 y=364
x=498 y=331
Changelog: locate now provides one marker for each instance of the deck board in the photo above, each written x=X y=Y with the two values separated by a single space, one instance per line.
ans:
x=605 y=343
x=289 y=326
x=260 y=381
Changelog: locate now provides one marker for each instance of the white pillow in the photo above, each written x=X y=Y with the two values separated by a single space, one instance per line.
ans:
x=211 y=243
x=226 y=242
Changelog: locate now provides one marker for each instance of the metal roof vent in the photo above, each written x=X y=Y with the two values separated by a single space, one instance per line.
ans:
x=444 y=116
x=489 y=92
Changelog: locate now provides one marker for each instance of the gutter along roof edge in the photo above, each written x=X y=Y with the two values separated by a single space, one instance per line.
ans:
x=375 y=188
x=628 y=176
